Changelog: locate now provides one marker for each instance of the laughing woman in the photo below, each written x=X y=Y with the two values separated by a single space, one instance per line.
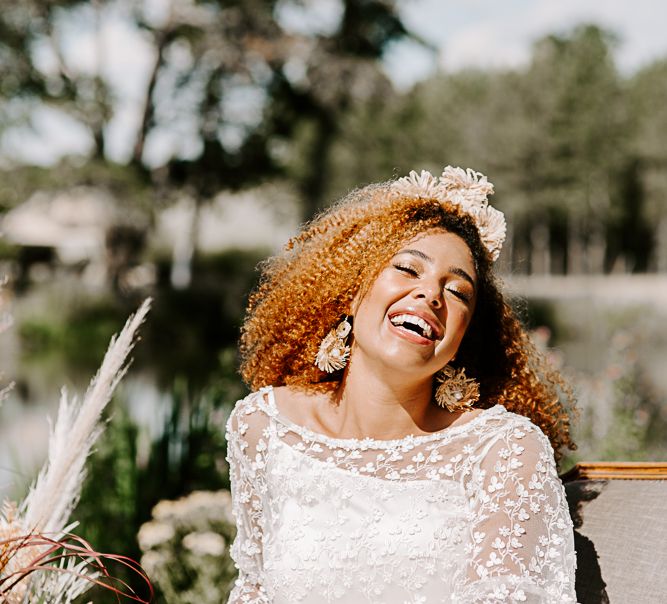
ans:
x=399 y=445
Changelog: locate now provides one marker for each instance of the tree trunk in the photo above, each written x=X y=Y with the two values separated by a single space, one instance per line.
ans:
x=540 y=253
x=185 y=246
x=595 y=252
x=575 y=260
x=661 y=245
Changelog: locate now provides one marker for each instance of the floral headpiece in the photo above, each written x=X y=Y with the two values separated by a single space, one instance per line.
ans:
x=466 y=189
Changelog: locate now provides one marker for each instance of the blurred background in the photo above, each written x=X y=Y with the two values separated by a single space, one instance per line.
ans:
x=165 y=147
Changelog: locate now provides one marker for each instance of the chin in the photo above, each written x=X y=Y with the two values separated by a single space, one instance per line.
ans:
x=408 y=365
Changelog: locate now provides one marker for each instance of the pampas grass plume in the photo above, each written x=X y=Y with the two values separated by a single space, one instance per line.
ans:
x=55 y=493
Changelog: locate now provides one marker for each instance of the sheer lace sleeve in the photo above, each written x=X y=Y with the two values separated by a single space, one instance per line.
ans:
x=246 y=456
x=521 y=542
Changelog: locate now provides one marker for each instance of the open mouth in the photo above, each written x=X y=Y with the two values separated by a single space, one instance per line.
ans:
x=413 y=324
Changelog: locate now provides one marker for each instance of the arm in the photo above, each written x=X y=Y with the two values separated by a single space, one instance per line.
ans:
x=246 y=457
x=521 y=542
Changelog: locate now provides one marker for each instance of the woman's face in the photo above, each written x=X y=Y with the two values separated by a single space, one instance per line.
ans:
x=415 y=314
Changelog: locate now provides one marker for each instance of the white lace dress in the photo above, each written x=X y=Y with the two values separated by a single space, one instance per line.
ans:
x=471 y=514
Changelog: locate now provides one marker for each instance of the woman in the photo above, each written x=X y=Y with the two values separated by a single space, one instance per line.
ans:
x=398 y=446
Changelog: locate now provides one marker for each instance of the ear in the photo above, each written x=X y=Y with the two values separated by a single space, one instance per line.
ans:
x=354 y=305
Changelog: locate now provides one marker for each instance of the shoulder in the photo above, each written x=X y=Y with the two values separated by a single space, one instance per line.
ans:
x=516 y=460
x=513 y=436
x=250 y=415
x=504 y=423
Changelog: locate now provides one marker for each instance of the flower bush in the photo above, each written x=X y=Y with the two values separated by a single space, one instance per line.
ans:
x=186 y=548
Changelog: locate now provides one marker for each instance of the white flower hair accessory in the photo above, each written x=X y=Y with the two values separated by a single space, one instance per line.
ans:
x=467 y=189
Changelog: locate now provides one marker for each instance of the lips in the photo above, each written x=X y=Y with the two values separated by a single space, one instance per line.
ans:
x=416 y=326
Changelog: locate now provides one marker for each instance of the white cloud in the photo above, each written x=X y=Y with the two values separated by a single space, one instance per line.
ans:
x=492 y=38
x=486 y=45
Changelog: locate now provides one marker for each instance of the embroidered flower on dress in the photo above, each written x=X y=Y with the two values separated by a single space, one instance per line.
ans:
x=469 y=498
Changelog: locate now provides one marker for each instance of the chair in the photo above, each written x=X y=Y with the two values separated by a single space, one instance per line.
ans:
x=619 y=512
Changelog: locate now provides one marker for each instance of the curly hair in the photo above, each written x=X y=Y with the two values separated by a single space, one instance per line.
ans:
x=305 y=291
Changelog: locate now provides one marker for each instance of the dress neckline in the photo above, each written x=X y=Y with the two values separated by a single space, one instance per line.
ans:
x=372 y=443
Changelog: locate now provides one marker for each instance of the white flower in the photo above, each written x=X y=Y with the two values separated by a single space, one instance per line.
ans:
x=154 y=533
x=458 y=178
x=153 y=560
x=515 y=463
x=205 y=543
x=498 y=543
x=492 y=228
x=333 y=353
x=422 y=185
x=467 y=189
x=493 y=560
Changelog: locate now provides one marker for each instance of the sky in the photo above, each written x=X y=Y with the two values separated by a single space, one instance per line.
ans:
x=499 y=33
x=465 y=33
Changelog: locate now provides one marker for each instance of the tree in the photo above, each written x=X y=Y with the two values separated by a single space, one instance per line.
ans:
x=647 y=91
x=229 y=77
x=576 y=107
x=232 y=95
x=555 y=137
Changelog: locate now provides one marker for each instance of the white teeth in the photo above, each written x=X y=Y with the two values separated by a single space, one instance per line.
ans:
x=425 y=327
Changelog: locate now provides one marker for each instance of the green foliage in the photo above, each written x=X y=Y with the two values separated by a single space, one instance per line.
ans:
x=189 y=453
x=563 y=140
x=541 y=314
x=80 y=335
x=185 y=335
x=8 y=251
x=107 y=512
x=189 y=328
x=576 y=152
x=129 y=186
x=130 y=472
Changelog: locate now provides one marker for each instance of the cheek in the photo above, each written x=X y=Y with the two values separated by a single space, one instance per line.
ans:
x=458 y=319
x=369 y=312
x=379 y=295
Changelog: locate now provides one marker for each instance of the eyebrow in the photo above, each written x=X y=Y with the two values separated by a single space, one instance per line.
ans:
x=461 y=273
x=417 y=253
x=452 y=269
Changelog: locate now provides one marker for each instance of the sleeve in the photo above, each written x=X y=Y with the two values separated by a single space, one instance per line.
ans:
x=520 y=546
x=246 y=454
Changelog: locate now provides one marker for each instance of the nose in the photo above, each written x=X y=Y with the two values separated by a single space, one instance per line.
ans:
x=432 y=296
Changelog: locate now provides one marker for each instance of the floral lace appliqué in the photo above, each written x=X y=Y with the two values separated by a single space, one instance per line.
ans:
x=473 y=514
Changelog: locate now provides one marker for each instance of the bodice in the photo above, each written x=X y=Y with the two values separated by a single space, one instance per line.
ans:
x=473 y=513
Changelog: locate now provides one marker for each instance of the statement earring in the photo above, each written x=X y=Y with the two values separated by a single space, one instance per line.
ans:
x=456 y=392
x=334 y=351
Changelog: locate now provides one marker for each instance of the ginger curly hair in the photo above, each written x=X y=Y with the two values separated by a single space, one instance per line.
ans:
x=305 y=291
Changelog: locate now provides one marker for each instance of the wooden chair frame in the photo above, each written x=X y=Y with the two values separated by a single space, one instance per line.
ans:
x=617 y=470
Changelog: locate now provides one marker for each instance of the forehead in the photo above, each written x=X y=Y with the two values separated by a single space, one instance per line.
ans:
x=442 y=248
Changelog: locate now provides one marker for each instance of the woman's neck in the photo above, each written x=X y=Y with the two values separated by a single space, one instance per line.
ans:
x=384 y=405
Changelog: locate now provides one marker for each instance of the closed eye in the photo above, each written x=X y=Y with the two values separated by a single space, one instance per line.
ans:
x=404 y=268
x=459 y=294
